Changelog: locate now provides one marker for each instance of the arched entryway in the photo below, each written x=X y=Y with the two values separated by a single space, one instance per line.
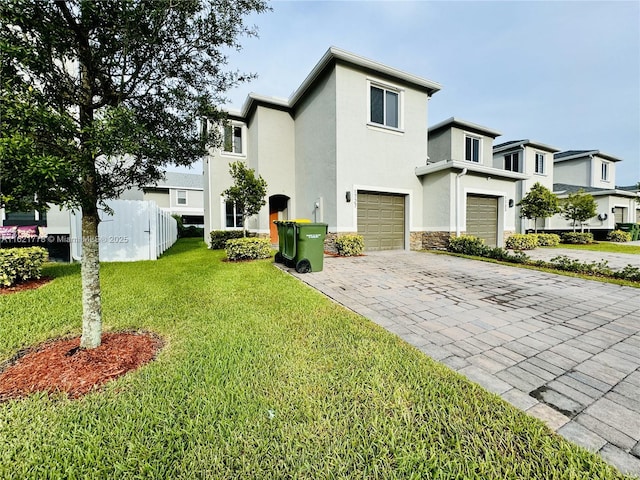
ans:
x=278 y=210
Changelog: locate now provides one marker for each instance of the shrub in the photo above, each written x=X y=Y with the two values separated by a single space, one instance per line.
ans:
x=350 y=245
x=505 y=256
x=20 y=264
x=581 y=238
x=619 y=236
x=248 y=248
x=568 y=264
x=628 y=273
x=548 y=240
x=519 y=241
x=468 y=245
x=219 y=238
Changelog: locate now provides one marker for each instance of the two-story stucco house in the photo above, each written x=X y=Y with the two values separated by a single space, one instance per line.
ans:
x=341 y=150
x=564 y=173
x=464 y=192
x=595 y=172
x=536 y=161
x=352 y=148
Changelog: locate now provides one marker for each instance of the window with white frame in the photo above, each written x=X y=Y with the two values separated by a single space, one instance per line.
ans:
x=605 y=172
x=512 y=162
x=181 y=197
x=384 y=106
x=233 y=141
x=540 y=160
x=472 y=148
x=233 y=215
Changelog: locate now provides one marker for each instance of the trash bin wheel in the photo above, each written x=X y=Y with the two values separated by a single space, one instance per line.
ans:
x=279 y=258
x=303 y=266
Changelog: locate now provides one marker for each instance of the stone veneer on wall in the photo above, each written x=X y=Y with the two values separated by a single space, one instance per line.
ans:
x=436 y=240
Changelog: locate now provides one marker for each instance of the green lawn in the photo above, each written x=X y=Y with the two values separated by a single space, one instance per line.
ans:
x=260 y=377
x=612 y=247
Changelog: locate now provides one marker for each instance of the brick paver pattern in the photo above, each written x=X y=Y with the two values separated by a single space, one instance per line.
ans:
x=565 y=350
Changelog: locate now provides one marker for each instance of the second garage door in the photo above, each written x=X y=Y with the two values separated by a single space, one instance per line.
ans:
x=381 y=220
x=482 y=218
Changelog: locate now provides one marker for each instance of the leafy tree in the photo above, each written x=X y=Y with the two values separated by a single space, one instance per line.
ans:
x=247 y=192
x=99 y=96
x=539 y=202
x=578 y=207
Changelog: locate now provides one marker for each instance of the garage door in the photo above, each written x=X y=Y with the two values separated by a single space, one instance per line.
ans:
x=618 y=214
x=381 y=220
x=482 y=218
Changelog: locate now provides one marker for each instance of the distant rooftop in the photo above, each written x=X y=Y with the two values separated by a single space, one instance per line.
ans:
x=181 y=180
x=465 y=125
x=566 y=188
x=570 y=154
x=518 y=143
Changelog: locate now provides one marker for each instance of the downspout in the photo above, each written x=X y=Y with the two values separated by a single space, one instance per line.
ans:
x=461 y=174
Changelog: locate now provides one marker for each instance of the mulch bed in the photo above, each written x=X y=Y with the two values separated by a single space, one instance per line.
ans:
x=26 y=285
x=61 y=366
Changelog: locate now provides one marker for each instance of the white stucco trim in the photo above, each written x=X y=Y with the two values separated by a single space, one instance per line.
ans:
x=472 y=167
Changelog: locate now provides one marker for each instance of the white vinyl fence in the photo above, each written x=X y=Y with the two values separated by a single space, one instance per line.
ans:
x=137 y=230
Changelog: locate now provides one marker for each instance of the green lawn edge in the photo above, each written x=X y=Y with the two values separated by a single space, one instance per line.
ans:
x=260 y=377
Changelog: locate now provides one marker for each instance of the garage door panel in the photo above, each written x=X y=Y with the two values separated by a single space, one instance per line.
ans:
x=482 y=218
x=381 y=220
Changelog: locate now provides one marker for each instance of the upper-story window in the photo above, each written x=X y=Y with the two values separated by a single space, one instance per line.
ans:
x=512 y=162
x=472 y=148
x=181 y=197
x=605 y=172
x=384 y=106
x=540 y=160
x=233 y=141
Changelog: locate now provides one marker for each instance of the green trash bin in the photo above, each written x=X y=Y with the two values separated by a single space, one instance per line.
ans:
x=302 y=245
x=281 y=233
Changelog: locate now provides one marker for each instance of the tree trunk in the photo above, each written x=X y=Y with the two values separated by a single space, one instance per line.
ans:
x=90 y=267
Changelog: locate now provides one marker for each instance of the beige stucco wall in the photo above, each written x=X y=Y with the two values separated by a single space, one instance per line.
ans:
x=458 y=146
x=374 y=158
x=315 y=153
x=573 y=172
x=162 y=199
x=272 y=152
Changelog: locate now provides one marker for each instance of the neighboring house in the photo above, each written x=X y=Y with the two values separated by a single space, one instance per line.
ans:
x=464 y=191
x=535 y=160
x=179 y=194
x=564 y=173
x=351 y=148
x=594 y=172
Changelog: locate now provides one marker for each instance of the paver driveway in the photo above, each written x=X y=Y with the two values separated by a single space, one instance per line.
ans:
x=565 y=350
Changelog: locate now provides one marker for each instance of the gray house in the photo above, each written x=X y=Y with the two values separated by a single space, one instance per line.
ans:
x=352 y=148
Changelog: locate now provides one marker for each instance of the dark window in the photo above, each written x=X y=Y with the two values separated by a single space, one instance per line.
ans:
x=512 y=162
x=385 y=107
x=472 y=149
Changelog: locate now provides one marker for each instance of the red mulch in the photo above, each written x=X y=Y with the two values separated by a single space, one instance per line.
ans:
x=61 y=366
x=26 y=285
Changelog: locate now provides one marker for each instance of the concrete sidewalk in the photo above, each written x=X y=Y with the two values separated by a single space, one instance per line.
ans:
x=565 y=350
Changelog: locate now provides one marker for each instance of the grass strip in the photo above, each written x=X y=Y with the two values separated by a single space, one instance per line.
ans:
x=261 y=377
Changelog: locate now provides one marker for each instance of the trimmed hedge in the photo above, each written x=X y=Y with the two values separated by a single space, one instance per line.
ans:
x=350 y=245
x=619 y=236
x=548 y=240
x=218 y=238
x=468 y=245
x=20 y=264
x=577 y=238
x=520 y=241
x=471 y=245
x=248 y=249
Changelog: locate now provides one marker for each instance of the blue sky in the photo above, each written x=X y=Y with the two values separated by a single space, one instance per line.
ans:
x=563 y=73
